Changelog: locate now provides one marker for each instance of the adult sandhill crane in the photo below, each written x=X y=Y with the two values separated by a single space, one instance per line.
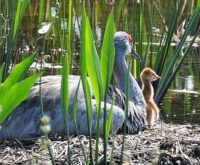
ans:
x=25 y=121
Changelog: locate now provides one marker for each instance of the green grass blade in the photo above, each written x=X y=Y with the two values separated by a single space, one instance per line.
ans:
x=107 y=63
x=169 y=72
x=15 y=95
x=64 y=86
x=141 y=23
x=69 y=36
x=1 y=73
x=160 y=61
x=109 y=122
x=85 y=84
x=93 y=62
x=198 y=4
x=94 y=72
x=17 y=74
x=21 y=7
x=108 y=52
x=148 y=56
x=17 y=18
x=41 y=11
x=176 y=69
x=119 y=9
x=83 y=67
x=75 y=106
x=65 y=100
x=75 y=120
x=9 y=45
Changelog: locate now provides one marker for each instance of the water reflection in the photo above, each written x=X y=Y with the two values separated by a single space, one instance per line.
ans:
x=181 y=103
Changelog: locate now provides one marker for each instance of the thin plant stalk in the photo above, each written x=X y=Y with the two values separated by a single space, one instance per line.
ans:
x=65 y=78
x=18 y=9
x=9 y=40
x=75 y=121
x=69 y=36
x=41 y=11
x=42 y=112
x=126 y=114
x=45 y=133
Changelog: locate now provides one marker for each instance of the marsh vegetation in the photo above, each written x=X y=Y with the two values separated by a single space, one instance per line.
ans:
x=76 y=37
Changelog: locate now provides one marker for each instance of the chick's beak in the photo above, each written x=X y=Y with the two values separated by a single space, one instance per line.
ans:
x=136 y=55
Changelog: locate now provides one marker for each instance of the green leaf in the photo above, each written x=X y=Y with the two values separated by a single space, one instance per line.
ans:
x=94 y=71
x=41 y=11
x=198 y=4
x=83 y=67
x=21 y=7
x=85 y=84
x=93 y=63
x=17 y=74
x=75 y=107
x=15 y=95
x=64 y=87
x=109 y=121
x=108 y=52
x=1 y=73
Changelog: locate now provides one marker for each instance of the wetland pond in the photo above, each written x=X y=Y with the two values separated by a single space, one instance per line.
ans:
x=180 y=105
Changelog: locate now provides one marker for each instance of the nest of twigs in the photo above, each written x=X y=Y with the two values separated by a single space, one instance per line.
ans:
x=164 y=144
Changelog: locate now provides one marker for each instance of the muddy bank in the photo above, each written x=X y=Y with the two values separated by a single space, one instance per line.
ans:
x=165 y=144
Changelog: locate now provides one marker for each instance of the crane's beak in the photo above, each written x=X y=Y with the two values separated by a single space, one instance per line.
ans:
x=136 y=55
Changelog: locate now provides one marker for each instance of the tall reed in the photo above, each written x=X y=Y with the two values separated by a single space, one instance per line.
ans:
x=16 y=10
x=172 y=69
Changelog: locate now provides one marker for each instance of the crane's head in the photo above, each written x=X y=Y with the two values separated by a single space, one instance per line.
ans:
x=124 y=43
x=149 y=74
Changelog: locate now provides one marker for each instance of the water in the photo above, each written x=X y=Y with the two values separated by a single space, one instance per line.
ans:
x=182 y=101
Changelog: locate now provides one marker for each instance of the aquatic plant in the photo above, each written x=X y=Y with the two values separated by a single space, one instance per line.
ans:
x=15 y=88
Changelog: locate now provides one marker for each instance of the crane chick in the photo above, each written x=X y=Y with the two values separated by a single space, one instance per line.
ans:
x=147 y=76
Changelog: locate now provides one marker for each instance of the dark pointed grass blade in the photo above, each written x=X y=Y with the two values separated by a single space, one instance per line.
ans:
x=161 y=58
x=21 y=7
x=164 y=83
x=1 y=73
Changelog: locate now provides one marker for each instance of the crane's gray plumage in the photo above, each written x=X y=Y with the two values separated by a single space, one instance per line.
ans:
x=25 y=121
